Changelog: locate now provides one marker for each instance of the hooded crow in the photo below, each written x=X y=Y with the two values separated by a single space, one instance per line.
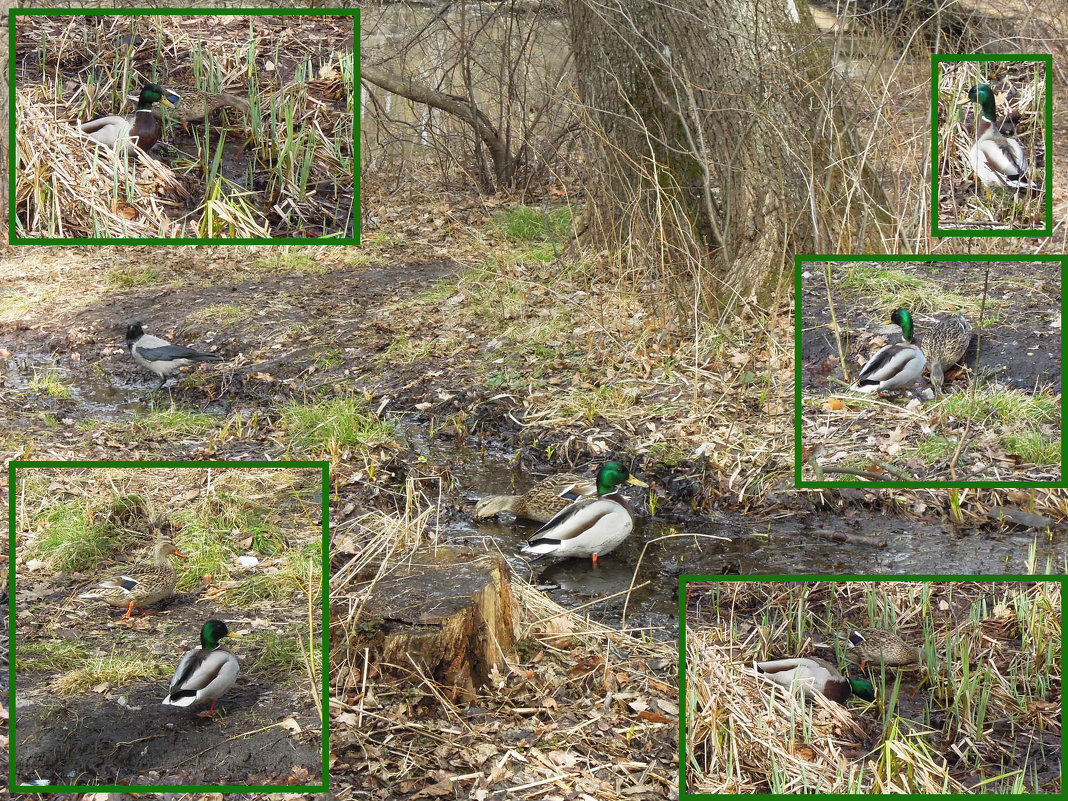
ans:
x=160 y=356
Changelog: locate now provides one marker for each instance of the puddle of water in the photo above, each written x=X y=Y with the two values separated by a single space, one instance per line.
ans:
x=756 y=546
x=94 y=395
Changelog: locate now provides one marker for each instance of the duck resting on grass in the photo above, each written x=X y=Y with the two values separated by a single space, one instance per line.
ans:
x=140 y=585
x=195 y=104
x=542 y=501
x=141 y=128
x=894 y=366
x=204 y=673
x=160 y=356
x=998 y=160
x=591 y=526
x=814 y=675
x=880 y=647
x=945 y=345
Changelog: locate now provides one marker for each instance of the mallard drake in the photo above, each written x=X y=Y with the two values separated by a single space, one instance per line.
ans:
x=196 y=104
x=542 y=501
x=140 y=128
x=998 y=160
x=204 y=673
x=140 y=585
x=590 y=526
x=896 y=365
x=814 y=675
x=880 y=647
x=944 y=345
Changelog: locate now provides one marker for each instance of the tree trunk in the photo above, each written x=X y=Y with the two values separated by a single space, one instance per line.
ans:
x=440 y=616
x=711 y=135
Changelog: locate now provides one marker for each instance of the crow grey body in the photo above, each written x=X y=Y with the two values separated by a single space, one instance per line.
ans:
x=160 y=356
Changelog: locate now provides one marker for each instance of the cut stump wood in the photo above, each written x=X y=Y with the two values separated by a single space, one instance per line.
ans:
x=446 y=614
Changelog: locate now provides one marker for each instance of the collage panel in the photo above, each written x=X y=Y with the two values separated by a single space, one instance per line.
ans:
x=992 y=120
x=929 y=371
x=181 y=124
x=167 y=626
x=852 y=685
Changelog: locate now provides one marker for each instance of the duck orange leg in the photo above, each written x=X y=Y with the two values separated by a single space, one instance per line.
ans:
x=129 y=611
x=207 y=713
x=595 y=560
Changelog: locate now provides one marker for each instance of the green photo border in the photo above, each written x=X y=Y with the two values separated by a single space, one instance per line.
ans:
x=1048 y=185
x=690 y=578
x=357 y=106
x=799 y=265
x=324 y=467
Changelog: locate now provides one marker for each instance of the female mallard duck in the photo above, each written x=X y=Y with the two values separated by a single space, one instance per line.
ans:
x=141 y=128
x=542 y=501
x=998 y=160
x=195 y=104
x=590 y=526
x=880 y=647
x=814 y=675
x=142 y=585
x=944 y=345
x=896 y=365
x=204 y=673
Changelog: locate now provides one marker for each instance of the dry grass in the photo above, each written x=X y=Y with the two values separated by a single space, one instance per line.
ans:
x=284 y=169
x=988 y=652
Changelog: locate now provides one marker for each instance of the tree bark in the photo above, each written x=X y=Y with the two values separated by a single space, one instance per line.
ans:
x=711 y=135
x=440 y=616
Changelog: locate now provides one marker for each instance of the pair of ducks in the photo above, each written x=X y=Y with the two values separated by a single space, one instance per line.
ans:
x=813 y=675
x=582 y=518
x=897 y=365
x=204 y=673
x=143 y=128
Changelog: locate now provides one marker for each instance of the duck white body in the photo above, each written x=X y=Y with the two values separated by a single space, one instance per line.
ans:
x=892 y=367
x=202 y=676
x=587 y=527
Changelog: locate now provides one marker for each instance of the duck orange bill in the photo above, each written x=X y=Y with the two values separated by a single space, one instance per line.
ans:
x=637 y=482
x=180 y=555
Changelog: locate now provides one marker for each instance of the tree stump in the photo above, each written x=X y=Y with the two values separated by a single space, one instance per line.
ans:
x=442 y=613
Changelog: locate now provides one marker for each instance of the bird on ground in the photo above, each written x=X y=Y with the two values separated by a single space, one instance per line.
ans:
x=944 y=346
x=205 y=673
x=141 y=585
x=880 y=647
x=542 y=501
x=195 y=104
x=998 y=160
x=896 y=365
x=141 y=128
x=160 y=356
x=814 y=675
x=590 y=526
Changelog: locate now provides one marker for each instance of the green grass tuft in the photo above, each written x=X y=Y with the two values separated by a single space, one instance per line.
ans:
x=345 y=422
x=48 y=382
x=1032 y=447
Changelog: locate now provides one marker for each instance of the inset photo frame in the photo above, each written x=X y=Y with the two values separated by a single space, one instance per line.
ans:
x=184 y=126
x=929 y=371
x=167 y=626
x=991 y=145
x=849 y=685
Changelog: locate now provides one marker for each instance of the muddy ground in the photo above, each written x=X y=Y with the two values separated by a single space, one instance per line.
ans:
x=266 y=730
